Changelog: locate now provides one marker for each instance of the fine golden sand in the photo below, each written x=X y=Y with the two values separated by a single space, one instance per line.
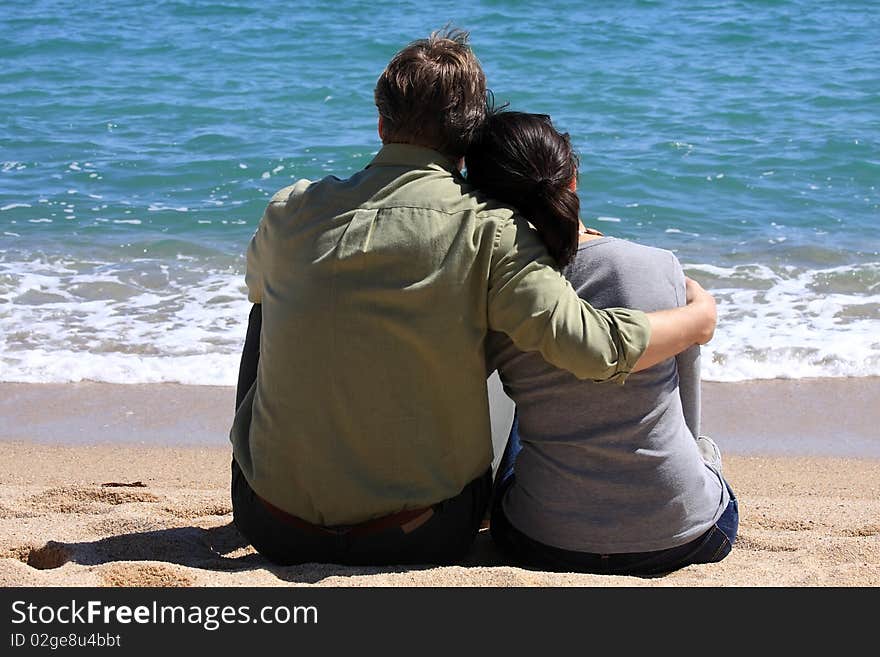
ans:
x=143 y=514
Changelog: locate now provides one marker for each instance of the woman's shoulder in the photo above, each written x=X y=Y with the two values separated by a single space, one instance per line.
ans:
x=624 y=253
x=613 y=272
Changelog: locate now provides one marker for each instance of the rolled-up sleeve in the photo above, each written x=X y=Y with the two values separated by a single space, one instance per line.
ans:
x=539 y=310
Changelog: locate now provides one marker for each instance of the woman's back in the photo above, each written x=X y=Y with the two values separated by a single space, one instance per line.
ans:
x=608 y=468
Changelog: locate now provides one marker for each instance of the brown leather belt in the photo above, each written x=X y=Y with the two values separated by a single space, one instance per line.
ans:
x=408 y=520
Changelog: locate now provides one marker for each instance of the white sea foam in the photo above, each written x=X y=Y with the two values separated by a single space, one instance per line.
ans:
x=183 y=320
x=613 y=220
x=792 y=323
x=11 y=206
x=160 y=207
x=138 y=322
x=64 y=366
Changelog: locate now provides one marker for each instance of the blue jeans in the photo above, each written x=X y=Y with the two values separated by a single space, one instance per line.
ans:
x=711 y=546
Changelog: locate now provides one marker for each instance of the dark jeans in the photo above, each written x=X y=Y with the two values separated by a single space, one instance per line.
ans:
x=250 y=354
x=713 y=545
x=443 y=538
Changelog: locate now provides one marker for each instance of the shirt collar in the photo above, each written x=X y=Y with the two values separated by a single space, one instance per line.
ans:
x=416 y=157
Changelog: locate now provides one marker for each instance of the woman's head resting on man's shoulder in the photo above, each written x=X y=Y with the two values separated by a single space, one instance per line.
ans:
x=522 y=160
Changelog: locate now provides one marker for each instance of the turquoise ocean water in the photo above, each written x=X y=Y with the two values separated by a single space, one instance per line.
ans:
x=139 y=143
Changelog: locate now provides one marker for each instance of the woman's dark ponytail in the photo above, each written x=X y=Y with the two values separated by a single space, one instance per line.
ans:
x=555 y=214
x=521 y=160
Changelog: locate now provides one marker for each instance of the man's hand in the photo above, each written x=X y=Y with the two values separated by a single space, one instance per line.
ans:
x=697 y=296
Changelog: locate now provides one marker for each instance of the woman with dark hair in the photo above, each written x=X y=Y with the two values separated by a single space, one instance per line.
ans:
x=596 y=478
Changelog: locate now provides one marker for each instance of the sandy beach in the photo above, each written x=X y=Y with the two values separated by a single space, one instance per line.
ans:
x=105 y=485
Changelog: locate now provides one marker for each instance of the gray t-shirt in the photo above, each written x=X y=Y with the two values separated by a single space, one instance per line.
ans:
x=610 y=469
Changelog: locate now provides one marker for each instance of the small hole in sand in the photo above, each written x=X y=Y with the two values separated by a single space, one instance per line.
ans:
x=51 y=555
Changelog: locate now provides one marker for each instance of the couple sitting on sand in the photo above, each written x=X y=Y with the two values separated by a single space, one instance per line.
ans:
x=381 y=301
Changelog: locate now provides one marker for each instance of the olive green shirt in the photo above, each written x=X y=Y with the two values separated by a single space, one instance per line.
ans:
x=377 y=294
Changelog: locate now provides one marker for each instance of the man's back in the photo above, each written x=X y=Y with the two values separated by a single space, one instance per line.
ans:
x=371 y=392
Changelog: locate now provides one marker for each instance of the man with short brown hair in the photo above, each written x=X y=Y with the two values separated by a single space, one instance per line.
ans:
x=433 y=94
x=363 y=434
